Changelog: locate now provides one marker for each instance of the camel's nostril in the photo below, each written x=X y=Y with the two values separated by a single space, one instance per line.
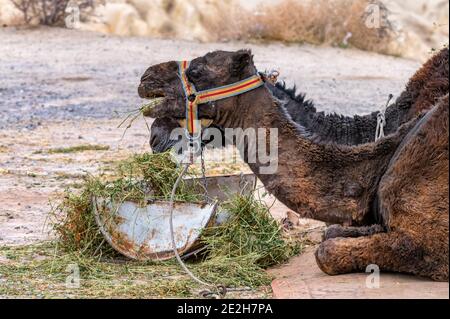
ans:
x=153 y=140
x=142 y=91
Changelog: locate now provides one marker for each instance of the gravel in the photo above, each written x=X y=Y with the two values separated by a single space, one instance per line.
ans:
x=51 y=74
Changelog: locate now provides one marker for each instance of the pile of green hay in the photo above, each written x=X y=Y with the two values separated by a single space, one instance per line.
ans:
x=74 y=149
x=237 y=251
x=250 y=231
x=135 y=179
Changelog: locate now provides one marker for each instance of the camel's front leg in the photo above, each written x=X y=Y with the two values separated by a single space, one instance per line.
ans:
x=389 y=251
x=334 y=231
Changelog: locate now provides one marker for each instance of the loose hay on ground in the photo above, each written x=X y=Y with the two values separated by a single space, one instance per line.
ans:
x=74 y=149
x=237 y=252
x=134 y=179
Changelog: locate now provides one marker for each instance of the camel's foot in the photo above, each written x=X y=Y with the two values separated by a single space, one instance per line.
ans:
x=335 y=231
x=389 y=251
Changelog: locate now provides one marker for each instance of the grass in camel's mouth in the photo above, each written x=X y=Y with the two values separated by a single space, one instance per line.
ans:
x=152 y=102
x=143 y=110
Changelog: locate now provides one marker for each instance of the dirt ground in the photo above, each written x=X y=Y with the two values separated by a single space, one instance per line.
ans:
x=63 y=88
x=302 y=279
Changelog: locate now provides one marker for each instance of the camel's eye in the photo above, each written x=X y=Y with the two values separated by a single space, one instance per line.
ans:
x=195 y=74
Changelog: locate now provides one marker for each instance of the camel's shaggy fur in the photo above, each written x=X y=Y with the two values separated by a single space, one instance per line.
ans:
x=413 y=199
x=395 y=189
x=423 y=90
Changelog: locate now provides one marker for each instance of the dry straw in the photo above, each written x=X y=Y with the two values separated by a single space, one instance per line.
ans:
x=237 y=251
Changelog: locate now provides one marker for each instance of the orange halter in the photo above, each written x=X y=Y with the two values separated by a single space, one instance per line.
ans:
x=194 y=98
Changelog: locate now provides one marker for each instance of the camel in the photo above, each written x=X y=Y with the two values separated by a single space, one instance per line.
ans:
x=427 y=84
x=388 y=198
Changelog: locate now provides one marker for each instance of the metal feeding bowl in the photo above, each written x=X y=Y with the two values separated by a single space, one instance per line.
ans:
x=222 y=187
x=142 y=232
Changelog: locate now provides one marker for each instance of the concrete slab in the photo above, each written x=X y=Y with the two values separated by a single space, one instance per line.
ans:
x=302 y=279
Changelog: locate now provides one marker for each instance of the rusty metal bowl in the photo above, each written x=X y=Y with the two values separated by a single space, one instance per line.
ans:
x=222 y=187
x=142 y=232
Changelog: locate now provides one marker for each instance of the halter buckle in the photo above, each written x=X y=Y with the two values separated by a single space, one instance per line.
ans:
x=192 y=97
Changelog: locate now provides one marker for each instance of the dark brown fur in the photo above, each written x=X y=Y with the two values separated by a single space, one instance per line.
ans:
x=413 y=195
x=339 y=183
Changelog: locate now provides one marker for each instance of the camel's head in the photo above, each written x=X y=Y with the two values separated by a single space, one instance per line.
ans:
x=162 y=82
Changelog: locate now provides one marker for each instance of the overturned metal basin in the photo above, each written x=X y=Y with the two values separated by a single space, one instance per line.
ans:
x=142 y=232
x=221 y=187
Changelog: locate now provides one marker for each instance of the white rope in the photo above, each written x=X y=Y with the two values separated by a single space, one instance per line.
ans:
x=381 y=120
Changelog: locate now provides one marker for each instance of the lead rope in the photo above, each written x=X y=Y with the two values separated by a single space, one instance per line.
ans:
x=212 y=291
x=220 y=291
x=205 y=182
x=381 y=120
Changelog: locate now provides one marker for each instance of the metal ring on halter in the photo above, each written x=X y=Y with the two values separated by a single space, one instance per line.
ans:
x=273 y=76
x=195 y=142
x=196 y=145
x=192 y=97
x=192 y=137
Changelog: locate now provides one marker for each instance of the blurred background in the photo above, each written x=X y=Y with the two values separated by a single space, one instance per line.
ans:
x=407 y=28
x=69 y=72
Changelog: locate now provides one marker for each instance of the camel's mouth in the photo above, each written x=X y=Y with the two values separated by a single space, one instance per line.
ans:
x=162 y=99
x=157 y=100
x=145 y=93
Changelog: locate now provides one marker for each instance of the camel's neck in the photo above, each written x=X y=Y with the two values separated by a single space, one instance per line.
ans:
x=329 y=182
x=336 y=128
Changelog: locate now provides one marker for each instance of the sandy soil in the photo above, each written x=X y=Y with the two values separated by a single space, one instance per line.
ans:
x=63 y=88
x=302 y=279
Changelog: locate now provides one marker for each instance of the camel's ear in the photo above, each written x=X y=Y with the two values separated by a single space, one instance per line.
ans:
x=241 y=59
